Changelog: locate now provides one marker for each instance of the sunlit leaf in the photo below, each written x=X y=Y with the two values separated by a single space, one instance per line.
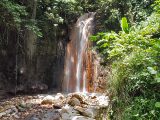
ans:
x=124 y=25
x=151 y=70
x=157 y=80
x=157 y=104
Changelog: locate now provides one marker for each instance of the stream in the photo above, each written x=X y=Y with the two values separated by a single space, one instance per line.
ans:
x=73 y=106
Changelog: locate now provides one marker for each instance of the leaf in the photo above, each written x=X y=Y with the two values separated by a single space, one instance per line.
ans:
x=157 y=80
x=157 y=104
x=151 y=70
x=104 y=45
x=102 y=41
x=124 y=25
x=93 y=38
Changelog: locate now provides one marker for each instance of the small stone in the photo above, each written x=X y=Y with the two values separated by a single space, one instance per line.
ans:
x=2 y=114
x=8 y=111
x=14 y=109
x=16 y=116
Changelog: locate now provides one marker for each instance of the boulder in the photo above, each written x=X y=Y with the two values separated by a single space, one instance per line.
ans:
x=79 y=109
x=83 y=98
x=79 y=96
x=59 y=96
x=88 y=112
x=68 y=112
x=48 y=100
x=74 y=102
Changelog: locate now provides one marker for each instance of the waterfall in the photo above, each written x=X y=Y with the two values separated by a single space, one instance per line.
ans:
x=77 y=60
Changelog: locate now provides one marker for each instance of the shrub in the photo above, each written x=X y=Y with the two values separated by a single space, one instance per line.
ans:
x=135 y=78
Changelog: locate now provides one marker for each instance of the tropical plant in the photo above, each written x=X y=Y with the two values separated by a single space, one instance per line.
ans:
x=133 y=55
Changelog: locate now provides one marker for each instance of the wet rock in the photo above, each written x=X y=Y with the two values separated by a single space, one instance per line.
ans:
x=74 y=102
x=48 y=100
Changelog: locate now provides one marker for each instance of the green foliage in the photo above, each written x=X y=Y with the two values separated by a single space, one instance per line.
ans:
x=157 y=104
x=56 y=11
x=110 y=12
x=15 y=16
x=12 y=14
x=53 y=14
x=156 y=6
x=135 y=76
x=124 y=25
x=142 y=109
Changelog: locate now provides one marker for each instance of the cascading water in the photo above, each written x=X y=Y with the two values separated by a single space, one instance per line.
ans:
x=77 y=60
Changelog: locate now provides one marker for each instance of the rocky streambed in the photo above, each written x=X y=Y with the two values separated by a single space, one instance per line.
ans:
x=73 y=106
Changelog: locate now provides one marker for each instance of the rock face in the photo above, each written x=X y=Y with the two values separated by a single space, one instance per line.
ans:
x=74 y=106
